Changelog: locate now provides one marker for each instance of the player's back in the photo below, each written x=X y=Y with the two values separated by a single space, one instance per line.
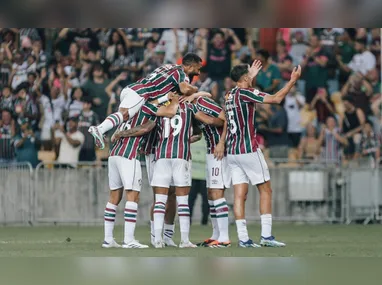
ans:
x=211 y=133
x=161 y=81
x=240 y=111
x=175 y=133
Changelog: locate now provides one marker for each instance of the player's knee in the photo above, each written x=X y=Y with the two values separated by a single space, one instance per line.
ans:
x=132 y=196
x=115 y=197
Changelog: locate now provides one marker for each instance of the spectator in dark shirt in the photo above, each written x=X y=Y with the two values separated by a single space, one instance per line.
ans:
x=276 y=134
x=360 y=90
x=323 y=105
x=283 y=61
x=7 y=132
x=314 y=69
x=26 y=144
x=87 y=118
x=95 y=88
x=345 y=52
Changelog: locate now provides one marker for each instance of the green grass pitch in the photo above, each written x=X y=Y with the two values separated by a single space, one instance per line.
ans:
x=302 y=241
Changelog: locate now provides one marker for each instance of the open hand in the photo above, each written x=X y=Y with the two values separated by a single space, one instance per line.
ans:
x=296 y=73
x=255 y=68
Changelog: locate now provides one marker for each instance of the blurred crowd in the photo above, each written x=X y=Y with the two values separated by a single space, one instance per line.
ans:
x=55 y=83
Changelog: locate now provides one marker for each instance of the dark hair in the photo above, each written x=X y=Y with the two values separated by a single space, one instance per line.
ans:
x=282 y=43
x=87 y=99
x=191 y=58
x=74 y=119
x=264 y=53
x=238 y=71
x=219 y=32
x=96 y=65
x=348 y=98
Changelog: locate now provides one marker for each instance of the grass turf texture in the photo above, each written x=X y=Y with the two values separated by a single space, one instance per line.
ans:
x=302 y=241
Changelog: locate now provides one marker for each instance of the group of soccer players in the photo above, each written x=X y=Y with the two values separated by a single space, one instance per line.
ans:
x=160 y=116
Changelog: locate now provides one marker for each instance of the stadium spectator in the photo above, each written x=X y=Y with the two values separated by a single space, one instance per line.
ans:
x=269 y=77
x=344 y=53
x=309 y=147
x=331 y=141
x=75 y=105
x=87 y=118
x=361 y=62
x=368 y=151
x=7 y=132
x=205 y=83
x=95 y=87
x=299 y=45
x=323 y=106
x=283 y=61
x=314 y=67
x=26 y=144
x=6 y=99
x=293 y=104
x=352 y=123
x=70 y=143
x=174 y=42
x=276 y=133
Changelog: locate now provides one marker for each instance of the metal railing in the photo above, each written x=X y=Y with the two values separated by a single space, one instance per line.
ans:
x=302 y=191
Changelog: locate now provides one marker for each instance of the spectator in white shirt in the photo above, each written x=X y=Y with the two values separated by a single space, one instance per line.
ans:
x=293 y=104
x=361 y=62
x=70 y=143
x=174 y=41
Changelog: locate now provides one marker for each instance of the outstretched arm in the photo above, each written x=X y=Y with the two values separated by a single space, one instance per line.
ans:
x=187 y=89
x=280 y=95
x=208 y=120
x=134 y=132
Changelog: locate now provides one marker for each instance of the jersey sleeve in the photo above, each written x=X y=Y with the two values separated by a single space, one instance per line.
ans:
x=149 y=110
x=180 y=76
x=208 y=107
x=252 y=95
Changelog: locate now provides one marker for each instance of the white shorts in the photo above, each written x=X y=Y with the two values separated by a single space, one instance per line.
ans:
x=249 y=167
x=150 y=164
x=218 y=174
x=131 y=100
x=124 y=173
x=172 y=171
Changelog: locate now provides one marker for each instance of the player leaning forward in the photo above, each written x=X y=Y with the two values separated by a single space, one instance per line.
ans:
x=245 y=158
x=155 y=87
x=125 y=174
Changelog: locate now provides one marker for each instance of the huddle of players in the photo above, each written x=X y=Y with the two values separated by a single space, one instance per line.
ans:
x=162 y=128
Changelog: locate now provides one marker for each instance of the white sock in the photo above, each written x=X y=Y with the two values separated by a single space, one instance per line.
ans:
x=159 y=211
x=214 y=222
x=152 y=231
x=266 y=225
x=168 y=230
x=184 y=217
x=242 y=232
x=110 y=122
x=222 y=219
x=130 y=220
x=109 y=221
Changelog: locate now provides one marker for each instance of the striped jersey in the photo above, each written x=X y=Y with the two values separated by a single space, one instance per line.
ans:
x=161 y=81
x=211 y=133
x=240 y=114
x=130 y=147
x=151 y=140
x=174 y=134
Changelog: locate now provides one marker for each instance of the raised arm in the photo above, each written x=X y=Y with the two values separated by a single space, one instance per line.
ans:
x=280 y=95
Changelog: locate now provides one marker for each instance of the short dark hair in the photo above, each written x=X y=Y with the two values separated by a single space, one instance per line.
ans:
x=264 y=53
x=219 y=32
x=74 y=119
x=349 y=98
x=191 y=58
x=238 y=71
x=361 y=41
x=87 y=99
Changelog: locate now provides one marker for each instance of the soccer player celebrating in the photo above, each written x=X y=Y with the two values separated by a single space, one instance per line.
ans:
x=125 y=174
x=245 y=159
x=155 y=86
x=218 y=174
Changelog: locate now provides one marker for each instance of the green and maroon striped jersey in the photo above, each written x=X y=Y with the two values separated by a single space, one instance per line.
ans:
x=240 y=106
x=161 y=81
x=129 y=147
x=150 y=143
x=175 y=133
x=211 y=133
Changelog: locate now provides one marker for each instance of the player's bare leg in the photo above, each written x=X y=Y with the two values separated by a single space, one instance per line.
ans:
x=130 y=213
x=240 y=196
x=267 y=239
x=111 y=121
x=184 y=216
x=169 y=218
x=115 y=198
x=221 y=218
x=161 y=196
